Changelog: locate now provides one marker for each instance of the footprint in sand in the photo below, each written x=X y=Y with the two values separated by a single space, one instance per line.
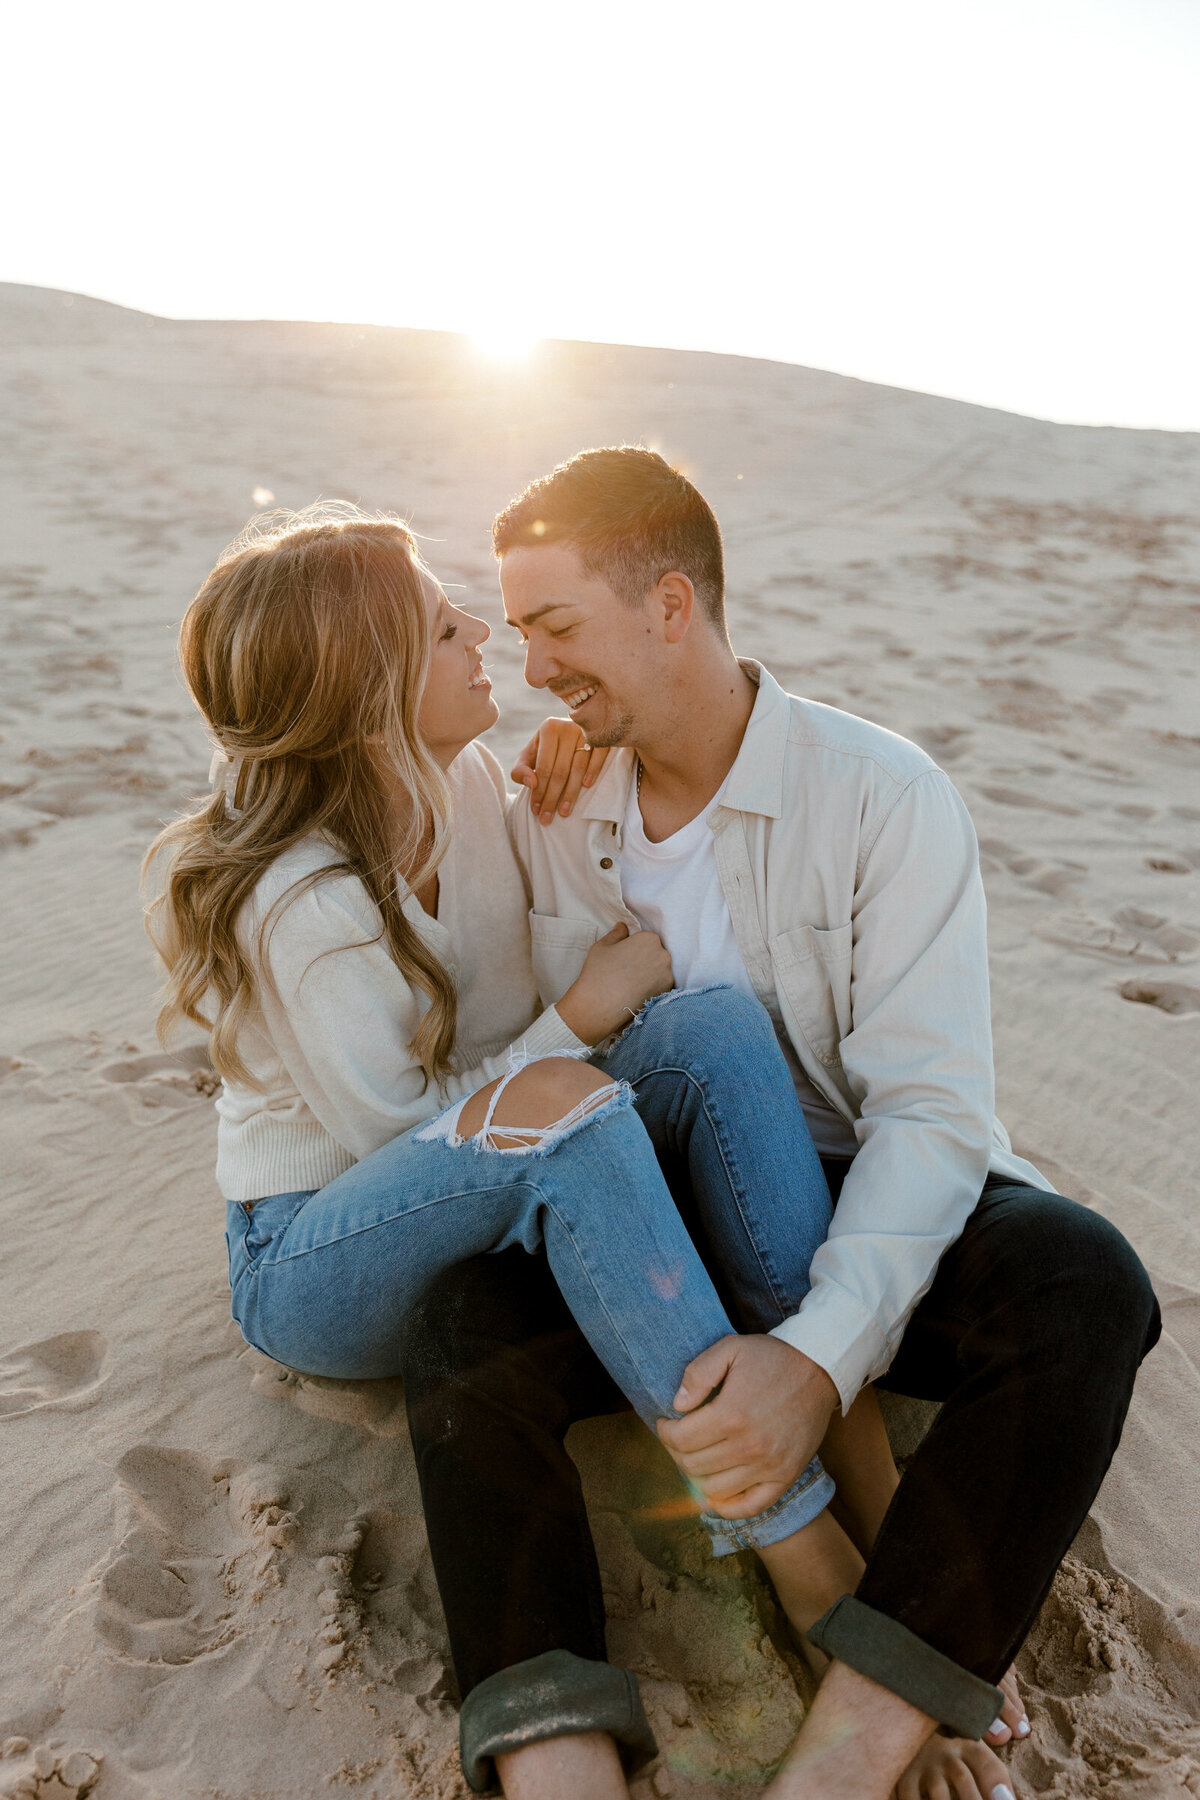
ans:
x=1055 y=878
x=1180 y=862
x=945 y=743
x=1096 y=1639
x=156 y=1082
x=1131 y=935
x=375 y=1406
x=380 y=1607
x=54 y=1372
x=1169 y=996
x=201 y=1548
x=1010 y=796
x=19 y=822
x=43 y=1773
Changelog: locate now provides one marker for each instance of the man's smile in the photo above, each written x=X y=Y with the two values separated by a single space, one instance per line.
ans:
x=575 y=697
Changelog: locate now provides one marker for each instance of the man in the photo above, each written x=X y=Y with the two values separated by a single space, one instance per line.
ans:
x=828 y=867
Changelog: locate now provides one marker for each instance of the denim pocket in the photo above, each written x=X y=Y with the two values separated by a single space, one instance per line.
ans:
x=267 y=1219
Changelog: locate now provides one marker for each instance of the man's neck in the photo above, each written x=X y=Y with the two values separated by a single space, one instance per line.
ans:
x=685 y=760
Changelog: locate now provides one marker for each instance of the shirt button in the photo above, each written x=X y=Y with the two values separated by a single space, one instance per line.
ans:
x=606 y=862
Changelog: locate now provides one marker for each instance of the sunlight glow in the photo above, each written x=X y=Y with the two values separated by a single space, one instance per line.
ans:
x=505 y=341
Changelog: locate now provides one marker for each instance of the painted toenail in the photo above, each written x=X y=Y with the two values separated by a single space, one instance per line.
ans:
x=995 y=1726
x=1024 y=1728
x=1003 y=1793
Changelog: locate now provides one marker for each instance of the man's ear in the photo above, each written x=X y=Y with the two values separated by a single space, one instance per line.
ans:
x=677 y=598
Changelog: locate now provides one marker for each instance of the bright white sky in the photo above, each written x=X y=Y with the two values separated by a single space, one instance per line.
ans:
x=993 y=199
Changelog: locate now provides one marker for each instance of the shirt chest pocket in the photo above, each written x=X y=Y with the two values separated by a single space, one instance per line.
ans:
x=812 y=976
x=559 y=947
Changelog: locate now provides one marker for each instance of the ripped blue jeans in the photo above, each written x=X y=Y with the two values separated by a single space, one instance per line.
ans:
x=324 y=1282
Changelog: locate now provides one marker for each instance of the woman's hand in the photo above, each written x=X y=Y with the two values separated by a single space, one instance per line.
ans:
x=557 y=763
x=621 y=973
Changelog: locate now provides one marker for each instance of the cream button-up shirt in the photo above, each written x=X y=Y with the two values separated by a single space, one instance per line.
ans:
x=850 y=868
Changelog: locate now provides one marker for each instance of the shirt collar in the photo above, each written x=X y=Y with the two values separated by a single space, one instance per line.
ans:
x=755 y=782
x=610 y=796
x=756 y=779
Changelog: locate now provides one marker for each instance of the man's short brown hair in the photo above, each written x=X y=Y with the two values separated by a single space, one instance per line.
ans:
x=631 y=517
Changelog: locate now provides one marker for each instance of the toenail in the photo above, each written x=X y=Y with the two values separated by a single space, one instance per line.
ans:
x=1024 y=1728
x=1003 y=1793
x=996 y=1726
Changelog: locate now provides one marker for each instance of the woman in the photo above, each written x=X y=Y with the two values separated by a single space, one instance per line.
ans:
x=347 y=918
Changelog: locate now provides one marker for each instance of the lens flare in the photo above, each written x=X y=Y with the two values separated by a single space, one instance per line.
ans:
x=667 y=1283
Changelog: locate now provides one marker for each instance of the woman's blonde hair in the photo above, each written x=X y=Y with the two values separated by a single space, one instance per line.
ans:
x=306 y=650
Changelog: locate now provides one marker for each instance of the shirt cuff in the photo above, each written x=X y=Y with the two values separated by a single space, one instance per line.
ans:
x=834 y=1331
x=550 y=1035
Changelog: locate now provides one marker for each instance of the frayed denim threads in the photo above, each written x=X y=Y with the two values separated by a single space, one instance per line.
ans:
x=593 y=1109
x=797 y=1506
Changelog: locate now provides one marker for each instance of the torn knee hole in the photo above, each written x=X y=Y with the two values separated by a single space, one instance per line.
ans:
x=496 y=1135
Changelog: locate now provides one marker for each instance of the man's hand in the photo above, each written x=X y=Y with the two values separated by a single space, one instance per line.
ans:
x=746 y=1446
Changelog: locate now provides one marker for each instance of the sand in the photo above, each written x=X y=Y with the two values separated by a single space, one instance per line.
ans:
x=216 y=1579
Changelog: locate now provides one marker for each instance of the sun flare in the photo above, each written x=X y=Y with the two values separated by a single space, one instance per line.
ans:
x=504 y=342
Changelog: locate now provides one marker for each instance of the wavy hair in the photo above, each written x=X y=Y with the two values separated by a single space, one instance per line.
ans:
x=306 y=650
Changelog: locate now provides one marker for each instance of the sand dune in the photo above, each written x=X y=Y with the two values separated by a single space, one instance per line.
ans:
x=217 y=1583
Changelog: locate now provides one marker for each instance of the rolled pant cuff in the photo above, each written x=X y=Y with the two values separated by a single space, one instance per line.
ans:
x=554 y=1695
x=797 y=1506
x=889 y=1653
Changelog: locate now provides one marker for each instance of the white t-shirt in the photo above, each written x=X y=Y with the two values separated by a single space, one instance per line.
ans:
x=674 y=889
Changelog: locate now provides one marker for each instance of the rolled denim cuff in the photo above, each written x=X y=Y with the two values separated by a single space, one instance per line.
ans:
x=554 y=1695
x=798 y=1505
x=887 y=1652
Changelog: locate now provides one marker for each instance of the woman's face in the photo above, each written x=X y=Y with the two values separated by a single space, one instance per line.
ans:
x=457 y=702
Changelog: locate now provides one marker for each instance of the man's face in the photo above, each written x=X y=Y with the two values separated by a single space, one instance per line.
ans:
x=594 y=652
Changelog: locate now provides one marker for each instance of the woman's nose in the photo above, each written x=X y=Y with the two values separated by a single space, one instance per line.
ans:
x=481 y=631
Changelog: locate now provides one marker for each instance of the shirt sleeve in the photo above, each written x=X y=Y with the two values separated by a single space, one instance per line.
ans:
x=918 y=1058
x=342 y=1017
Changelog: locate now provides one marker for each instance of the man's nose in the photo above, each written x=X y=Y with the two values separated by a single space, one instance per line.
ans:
x=539 y=666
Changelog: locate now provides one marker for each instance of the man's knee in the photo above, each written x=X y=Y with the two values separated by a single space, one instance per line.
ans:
x=1105 y=1273
x=1071 y=1274
x=1121 y=1289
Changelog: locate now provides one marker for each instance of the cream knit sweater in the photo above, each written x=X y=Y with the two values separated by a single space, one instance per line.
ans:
x=329 y=1043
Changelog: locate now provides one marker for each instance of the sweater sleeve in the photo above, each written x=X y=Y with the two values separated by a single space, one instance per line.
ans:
x=342 y=1017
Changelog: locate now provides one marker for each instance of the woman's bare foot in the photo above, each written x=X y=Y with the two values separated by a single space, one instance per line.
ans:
x=1013 y=1721
x=954 y=1769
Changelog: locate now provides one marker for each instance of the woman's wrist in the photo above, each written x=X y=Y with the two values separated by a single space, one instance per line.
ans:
x=581 y=1018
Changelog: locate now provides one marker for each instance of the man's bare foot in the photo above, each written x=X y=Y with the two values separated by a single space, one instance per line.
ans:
x=955 y=1767
x=584 y=1764
x=856 y=1742
x=1013 y=1721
